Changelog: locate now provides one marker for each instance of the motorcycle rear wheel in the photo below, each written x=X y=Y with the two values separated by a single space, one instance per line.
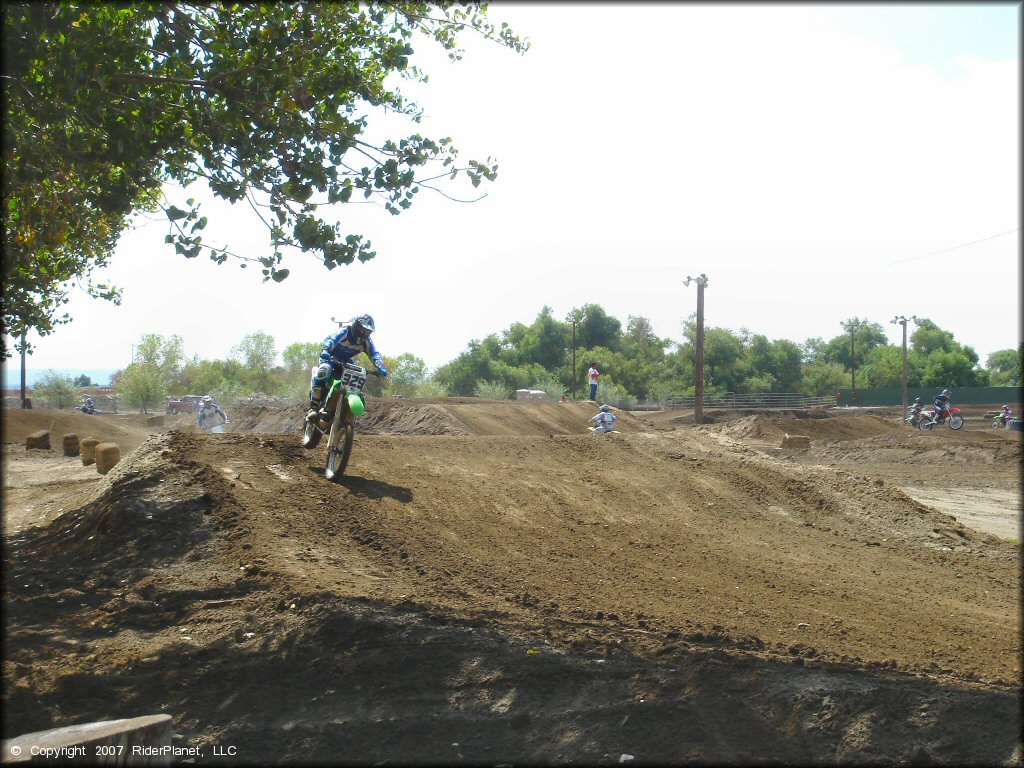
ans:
x=956 y=421
x=339 y=448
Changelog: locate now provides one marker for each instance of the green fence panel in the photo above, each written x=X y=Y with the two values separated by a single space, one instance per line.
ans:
x=994 y=396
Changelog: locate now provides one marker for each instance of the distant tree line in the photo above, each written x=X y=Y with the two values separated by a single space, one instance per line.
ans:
x=635 y=364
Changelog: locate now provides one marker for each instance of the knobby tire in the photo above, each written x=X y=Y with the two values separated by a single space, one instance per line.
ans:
x=339 y=443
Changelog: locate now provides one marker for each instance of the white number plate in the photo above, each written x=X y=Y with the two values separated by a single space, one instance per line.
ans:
x=353 y=377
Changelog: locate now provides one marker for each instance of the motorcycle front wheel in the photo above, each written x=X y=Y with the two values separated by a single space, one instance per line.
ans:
x=956 y=421
x=925 y=425
x=339 y=447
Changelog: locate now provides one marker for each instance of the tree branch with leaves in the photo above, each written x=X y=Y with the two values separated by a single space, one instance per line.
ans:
x=268 y=103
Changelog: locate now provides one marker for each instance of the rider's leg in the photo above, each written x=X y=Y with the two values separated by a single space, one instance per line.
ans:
x=318 y=387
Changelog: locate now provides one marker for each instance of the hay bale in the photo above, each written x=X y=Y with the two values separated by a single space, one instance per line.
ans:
x=107 y=455
x=38 y=440
x=155 y=421
x=71 y=446
x=795 y=441
x=88 y=448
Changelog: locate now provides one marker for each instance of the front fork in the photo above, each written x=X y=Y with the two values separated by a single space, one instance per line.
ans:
x=331 y=403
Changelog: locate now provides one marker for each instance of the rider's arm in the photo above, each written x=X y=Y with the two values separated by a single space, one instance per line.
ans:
x=373 y=354
x=331 y=345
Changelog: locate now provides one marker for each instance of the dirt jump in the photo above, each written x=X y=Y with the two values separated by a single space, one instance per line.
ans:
x=490 y=583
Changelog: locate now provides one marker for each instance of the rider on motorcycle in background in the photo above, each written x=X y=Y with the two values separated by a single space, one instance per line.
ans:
x=941 y=400
x=605 y=420
x=207 y=409
x=913 y=414
x=340 y=348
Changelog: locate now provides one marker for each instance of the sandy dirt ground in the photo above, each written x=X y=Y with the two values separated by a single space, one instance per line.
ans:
x=489 y=583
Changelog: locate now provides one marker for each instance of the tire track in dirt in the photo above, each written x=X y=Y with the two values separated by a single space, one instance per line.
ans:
x=565 y=527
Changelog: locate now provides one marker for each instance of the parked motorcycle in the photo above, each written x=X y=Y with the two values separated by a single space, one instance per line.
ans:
x=949 y=414
x=344 y=402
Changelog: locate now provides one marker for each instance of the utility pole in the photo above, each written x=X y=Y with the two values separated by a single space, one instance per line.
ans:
x=906 y=371
x=574 y=358
x=852 y=327
x=574 y=318
x=698 y=401
x=23 y=398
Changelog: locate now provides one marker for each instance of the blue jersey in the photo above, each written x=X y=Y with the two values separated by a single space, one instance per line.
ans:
x=339 y=348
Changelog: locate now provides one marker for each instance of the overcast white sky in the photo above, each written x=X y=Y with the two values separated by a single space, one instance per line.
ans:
x=817 y=162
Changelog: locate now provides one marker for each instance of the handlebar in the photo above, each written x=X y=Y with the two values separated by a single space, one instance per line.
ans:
x=355 y=367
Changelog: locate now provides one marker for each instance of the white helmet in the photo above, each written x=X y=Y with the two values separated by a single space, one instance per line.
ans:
x=946 y=392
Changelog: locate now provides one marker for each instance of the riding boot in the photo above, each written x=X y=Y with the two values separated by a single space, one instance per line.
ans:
x=316 y=412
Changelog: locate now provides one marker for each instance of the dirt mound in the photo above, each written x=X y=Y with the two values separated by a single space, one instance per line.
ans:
x=957 y=449
x=438 y=416
x=819 y=426
x=514 y=597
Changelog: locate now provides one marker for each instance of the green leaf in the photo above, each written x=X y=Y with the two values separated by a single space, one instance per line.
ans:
x=174 y=213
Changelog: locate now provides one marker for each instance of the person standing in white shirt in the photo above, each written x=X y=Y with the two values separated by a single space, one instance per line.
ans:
x=594 y=376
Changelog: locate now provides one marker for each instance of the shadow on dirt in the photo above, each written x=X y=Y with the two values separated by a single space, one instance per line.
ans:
x=363 y=682
x=376 y=489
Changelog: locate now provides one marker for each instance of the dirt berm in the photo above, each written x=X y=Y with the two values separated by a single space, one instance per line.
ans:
x=491 y=584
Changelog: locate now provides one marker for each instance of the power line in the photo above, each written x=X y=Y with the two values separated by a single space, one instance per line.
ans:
x=955 y=247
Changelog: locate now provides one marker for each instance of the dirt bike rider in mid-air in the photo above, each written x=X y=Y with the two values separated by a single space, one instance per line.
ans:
x=941 y=400
x=340 y=348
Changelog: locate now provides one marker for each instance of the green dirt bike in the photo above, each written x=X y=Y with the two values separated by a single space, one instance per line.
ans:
x=345 y=402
